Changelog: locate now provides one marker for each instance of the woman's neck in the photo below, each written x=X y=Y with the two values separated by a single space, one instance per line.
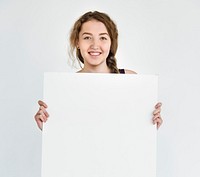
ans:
x=95 y=70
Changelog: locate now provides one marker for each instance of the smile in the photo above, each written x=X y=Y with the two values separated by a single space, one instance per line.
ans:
x=94 y=53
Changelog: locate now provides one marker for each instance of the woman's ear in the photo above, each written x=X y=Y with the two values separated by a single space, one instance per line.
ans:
x=77 y=45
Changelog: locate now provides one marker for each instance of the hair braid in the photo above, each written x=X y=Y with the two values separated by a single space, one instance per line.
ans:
x=112 y=64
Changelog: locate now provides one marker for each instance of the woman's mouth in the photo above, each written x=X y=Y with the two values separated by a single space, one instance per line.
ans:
x=94 y=53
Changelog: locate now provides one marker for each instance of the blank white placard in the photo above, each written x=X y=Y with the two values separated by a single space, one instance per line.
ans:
x=100 y=125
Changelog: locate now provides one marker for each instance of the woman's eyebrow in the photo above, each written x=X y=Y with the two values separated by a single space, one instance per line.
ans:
x=104 y=34
x=87 y=33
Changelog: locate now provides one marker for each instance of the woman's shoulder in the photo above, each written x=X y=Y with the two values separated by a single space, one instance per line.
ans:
x=128 y=71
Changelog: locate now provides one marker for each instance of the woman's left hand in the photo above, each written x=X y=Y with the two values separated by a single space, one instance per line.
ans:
x=156 y=115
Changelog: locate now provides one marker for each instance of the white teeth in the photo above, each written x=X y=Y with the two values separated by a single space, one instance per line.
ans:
x=95 y=53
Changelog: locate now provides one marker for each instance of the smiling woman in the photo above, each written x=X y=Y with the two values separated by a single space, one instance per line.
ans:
x=98 y=33
x=94 y=40
x=94 y=45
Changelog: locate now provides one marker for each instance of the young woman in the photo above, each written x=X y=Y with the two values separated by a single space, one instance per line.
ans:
x=94 y=40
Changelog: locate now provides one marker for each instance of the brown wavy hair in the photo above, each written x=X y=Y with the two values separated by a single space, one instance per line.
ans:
x=112 y=31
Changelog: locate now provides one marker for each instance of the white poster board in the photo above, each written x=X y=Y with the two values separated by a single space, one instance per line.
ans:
x=100 y=125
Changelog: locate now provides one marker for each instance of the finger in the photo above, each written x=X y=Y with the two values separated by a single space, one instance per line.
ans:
x=158 y=105
x=156 y=116
x=41 y=103
x=39 y=124
x=158 y=121
x=42 y=116
x=39 y=120
x=156 y=111
x=43 y=109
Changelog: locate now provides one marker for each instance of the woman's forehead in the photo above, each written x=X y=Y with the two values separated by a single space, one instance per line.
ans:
x=93 y=26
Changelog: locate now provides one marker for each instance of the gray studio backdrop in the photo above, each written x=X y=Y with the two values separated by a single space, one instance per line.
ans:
x=155 y=37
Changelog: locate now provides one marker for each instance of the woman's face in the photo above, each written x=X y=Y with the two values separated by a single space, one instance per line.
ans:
x=94 y=44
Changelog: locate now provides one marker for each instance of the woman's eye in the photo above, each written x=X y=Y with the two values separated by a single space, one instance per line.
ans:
x=103 y=38
x=87 y=37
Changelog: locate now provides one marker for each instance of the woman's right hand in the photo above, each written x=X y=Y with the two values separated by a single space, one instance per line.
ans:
x=42 y=115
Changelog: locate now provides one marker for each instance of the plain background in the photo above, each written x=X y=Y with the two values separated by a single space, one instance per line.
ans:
x=155 y=37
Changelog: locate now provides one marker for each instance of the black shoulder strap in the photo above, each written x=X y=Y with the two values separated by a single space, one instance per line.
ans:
x=122 y=71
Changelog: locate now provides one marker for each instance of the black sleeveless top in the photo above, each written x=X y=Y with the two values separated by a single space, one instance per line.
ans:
x=122 y=71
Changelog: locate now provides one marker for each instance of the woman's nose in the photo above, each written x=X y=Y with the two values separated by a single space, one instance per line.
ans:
x=95 y=44
x=95 y=47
